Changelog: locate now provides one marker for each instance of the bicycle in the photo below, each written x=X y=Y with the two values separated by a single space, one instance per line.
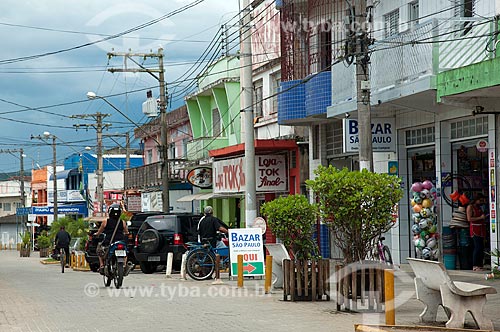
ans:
x=382 y=252
x=201 y=257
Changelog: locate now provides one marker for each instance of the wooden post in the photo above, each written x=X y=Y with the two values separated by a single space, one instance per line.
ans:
x=286 y=279
x=314 y=277
x=292 y=280
x=269 y=274
x=240 y=271
x=390 y=316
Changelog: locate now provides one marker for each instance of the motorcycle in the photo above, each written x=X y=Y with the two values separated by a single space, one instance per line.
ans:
x=114 y=264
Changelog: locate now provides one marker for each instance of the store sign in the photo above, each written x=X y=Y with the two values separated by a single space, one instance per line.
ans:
x=270 y=174
x=383 y=135
x=200 y=177
x=482 y=145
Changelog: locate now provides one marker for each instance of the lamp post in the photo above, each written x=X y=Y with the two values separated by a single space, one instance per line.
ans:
x=45 y=137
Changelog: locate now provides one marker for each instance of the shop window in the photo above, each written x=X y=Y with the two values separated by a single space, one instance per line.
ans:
x=477 y=126
x=420 y=136
x=423 y=166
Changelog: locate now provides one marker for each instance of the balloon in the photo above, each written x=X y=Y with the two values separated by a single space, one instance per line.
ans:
x=417 y=208
x=415 y=229
x=419 y=243
x=416 y=187
x=424 y=235
x=425 y=194
x=426 y=203
x=426 y=213
x=431 y=243
x=433 y=229
x=417 y=200
x=423 y=224
x=427 y=185
x=426 y=253
x=412 y=202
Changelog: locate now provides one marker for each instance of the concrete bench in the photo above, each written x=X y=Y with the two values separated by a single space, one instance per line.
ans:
x=434 y=287
x=279 y=253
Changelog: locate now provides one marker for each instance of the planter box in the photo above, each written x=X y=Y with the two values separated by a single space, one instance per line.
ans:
x=44 y=252
x=24 y=252
x=360 y=286
x=306 y=280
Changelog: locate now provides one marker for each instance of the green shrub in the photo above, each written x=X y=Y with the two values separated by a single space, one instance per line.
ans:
x=292 y=219
x=357 y=206
x=43 y=241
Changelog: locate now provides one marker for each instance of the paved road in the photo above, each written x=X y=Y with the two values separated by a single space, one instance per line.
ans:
x=37 y=297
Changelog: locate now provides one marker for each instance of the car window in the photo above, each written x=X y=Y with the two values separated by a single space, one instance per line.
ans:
x=165 y=223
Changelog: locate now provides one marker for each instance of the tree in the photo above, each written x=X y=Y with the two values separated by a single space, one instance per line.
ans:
x=357 y=207
x=292 y=219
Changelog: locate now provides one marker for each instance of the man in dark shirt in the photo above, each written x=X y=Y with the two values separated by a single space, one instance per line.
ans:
x=62 y=241
x=209 y=225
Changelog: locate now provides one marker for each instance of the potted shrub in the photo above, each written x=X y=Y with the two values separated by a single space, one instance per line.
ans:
x=358 y=206
x=25 y=244
x=44 y=244
x=292 y=219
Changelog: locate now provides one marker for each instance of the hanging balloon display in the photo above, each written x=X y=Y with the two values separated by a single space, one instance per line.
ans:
x=423 y=198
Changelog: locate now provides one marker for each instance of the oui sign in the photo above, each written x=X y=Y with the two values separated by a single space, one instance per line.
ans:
x=270 y=174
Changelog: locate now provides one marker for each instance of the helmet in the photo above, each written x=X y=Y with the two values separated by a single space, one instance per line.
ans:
x=114 y=211
x=208 y=210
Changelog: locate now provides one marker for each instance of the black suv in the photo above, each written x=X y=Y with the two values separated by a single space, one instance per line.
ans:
x=133 y=225
x=161 y=234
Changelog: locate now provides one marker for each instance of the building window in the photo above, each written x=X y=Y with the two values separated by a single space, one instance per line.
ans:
x=465 y=8
x=171 y=151
x=413 y=13
x=7 y=207
x=216 y=123
x=184 y=147
x=275 y=88
x=325 y=46
x=150 y=156
x=335 y=139
x=258 y=96
x=1 y=207
x=467 y=128
x=391 y=23
x=420 y=136
x=316 y=142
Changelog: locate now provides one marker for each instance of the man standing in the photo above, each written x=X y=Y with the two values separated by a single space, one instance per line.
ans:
x=62 y=241
x=208 y=226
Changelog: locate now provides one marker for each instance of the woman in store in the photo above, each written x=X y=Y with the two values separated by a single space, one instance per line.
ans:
x=476 y=219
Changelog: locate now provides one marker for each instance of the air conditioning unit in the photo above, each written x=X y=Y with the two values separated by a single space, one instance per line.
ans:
x=150 y=107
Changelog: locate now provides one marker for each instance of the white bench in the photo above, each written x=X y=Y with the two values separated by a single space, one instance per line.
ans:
x=434 y=287
x=279 y=253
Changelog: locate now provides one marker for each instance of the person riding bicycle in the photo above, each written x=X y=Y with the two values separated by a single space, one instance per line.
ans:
x=208 y=226
x=62 y=240
x=114 y=230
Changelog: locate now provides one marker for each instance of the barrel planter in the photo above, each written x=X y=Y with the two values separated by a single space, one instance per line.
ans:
x=306 y=280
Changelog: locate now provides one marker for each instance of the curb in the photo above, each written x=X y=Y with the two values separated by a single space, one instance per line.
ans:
x=48 y=263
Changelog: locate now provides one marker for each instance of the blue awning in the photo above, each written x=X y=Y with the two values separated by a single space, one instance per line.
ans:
x=65 y=174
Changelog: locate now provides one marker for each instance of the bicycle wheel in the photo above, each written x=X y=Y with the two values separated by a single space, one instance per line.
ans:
x=454 y=182
x=387 y=255
x=200 y=264
x=62 y=259
x=118 y=280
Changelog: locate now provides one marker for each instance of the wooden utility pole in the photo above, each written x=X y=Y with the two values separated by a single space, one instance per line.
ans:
x=163 y=114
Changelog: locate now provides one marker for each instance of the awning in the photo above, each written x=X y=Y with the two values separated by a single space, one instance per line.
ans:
x=196 y=197
x=64 y=174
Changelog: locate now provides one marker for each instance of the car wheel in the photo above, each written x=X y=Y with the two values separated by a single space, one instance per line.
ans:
x=148 y=267
x=149 y=241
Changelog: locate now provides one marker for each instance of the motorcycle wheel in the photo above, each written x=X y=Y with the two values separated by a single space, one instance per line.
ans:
x=118 y=275
x=200 y=264
x=107 y=274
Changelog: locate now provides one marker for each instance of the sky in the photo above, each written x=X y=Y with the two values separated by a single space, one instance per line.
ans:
x=53 y=53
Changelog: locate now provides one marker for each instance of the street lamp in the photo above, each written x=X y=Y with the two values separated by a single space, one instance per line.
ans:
x=164 y=156
x=45 y=137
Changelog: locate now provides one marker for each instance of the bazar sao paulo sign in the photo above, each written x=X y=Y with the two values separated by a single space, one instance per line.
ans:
x=383 y=135
x=248 y=243
x=270 y=174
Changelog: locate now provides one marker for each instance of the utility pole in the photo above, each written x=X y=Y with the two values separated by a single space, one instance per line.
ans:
x=127 y=146
x=47 y=135
x=98 y=117
x=363 y=84
x=21 y=176
x=247 y=107
x=163 y=114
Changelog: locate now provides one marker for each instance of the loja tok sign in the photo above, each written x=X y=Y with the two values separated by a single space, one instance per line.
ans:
x=270 y=174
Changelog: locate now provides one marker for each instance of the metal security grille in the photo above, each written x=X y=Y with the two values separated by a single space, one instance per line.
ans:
x=466 y=128
x=420 y=136
x=391 y=23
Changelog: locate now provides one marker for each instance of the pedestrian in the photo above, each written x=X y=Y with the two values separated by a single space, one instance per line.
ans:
x=62 y=240
x=208 y=226
x=476 y=219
